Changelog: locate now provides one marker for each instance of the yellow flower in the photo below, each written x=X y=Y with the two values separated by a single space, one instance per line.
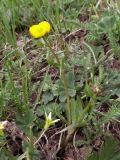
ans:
x=49 y=121
x=1 y=129
x=36 y=31
x=39 y=30
x=45 y=25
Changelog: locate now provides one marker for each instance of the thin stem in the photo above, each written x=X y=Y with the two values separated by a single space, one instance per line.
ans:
x=66 y=92
x=104 y=58
x=30 y=148
x=48 y=45
x=26 y=87
x=91 y=52
x=98 y=3
x=42 y=133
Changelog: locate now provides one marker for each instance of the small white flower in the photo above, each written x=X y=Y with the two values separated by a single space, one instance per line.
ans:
x=2 y=127
x=107 y=82
x=49 y=121
x=88 y=68
x=49 y=116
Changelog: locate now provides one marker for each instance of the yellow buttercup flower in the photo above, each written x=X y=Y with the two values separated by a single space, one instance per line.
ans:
x=36 y=31
x=45 y=25
x=39 y=30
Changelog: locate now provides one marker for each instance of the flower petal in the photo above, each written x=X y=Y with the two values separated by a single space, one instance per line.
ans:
x=37 y=31
x=45 y=25
x=50 y=116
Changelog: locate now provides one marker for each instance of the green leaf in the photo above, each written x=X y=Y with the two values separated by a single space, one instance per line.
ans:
x=88 y=90
x=76 y=109
x=70 y=79
x=47 y=83
x=47 y=97
x=58 y=89
x=113 y=86
x=51 y=107
x=118 y=4
x=62 y=97
x=6 y=155
x=26 y=120
x=113 y=113
x=107 y=23
x=108 y=151
x=68 y=1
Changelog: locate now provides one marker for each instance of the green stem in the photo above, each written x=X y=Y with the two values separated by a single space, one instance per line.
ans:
x=98 y=3
x=92 y=52
x=87 y=109
x=26 y=87
x=68 y=110
x=80 y=121
x=48 y=45
x=30 y=149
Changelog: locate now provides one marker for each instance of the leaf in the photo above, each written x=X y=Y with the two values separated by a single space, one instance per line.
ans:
x=88 y=90
x=58 y=89
x=26 y=120
x=47 y=83
x=113 y=86
x=2 y=140
x=106 y=23
x=62 y=97
x=108 y=151
x=76 y=109
x=68 y=1
x=70 y=79
x=113 y=113
x=51 y=107
x=118 y=4
x=6 y=155
x=47 y=97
